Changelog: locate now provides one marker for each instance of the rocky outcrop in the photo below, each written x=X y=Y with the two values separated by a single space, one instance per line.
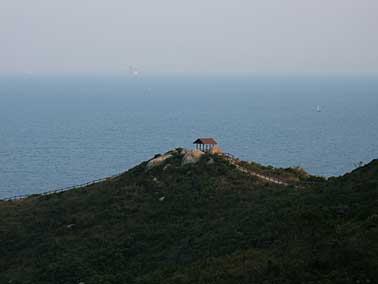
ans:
x=216 y=150
x=187 y=157
x=192 y=157
x=183 y=152
x=158 y=161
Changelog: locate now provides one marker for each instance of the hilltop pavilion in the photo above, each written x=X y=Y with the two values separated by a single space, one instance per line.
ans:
x=205 y=144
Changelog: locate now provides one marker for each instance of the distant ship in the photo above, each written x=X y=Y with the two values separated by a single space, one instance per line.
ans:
x=133 y=71
x=318 y=108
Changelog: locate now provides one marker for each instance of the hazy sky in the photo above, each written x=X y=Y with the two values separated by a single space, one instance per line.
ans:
x=194 y=36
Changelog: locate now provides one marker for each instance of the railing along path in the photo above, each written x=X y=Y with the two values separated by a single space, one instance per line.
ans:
x=18 y=197
x=272 y=179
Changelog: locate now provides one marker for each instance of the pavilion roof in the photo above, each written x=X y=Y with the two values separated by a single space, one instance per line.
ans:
x=208 y=141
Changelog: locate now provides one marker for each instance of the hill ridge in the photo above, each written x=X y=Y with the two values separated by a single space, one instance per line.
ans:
x=229 y=157
x=202 y=222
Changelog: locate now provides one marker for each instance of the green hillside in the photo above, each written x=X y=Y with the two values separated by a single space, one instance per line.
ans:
x=206 y=222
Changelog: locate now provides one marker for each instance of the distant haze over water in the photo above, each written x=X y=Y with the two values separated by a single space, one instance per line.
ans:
x=62 y=131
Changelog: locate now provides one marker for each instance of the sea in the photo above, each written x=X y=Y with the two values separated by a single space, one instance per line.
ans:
x=58 y=131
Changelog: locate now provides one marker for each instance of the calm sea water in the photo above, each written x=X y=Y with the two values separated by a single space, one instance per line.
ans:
x=61 y=131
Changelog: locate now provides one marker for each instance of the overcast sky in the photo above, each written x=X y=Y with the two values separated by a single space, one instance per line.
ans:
x=192 y=36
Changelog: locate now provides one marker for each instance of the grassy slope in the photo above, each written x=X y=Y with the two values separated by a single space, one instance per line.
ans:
x=215 y=225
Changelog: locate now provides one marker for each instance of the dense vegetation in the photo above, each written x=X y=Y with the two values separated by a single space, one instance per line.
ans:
x=198 y=223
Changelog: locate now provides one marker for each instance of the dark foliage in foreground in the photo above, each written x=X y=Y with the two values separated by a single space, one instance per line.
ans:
x=202 y=223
